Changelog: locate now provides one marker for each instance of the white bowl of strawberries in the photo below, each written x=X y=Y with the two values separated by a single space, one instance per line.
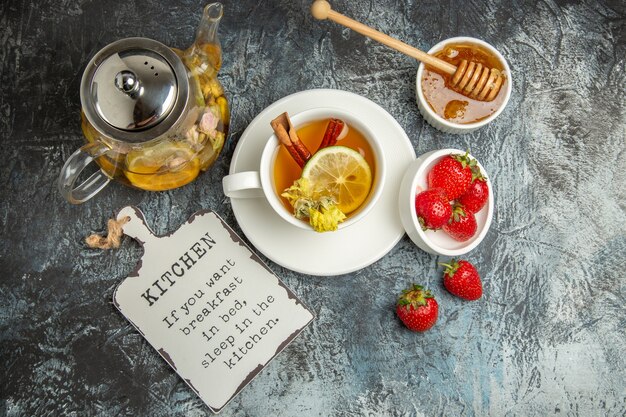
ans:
x=446 y=202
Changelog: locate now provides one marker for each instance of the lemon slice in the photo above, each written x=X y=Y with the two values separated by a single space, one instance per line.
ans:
x=341 y=173
x=164 y=166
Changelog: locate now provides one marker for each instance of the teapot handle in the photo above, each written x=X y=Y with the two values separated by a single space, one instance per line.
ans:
x=72 y=169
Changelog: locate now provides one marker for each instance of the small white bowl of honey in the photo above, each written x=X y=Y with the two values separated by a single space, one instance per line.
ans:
x=448 y=110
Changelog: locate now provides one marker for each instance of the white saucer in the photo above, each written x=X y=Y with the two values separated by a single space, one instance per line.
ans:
x=330 y=253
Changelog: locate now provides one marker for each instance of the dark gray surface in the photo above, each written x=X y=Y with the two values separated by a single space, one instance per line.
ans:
x=548 y=336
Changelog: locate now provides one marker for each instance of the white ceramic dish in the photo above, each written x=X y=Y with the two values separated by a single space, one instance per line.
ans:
x=437 y=242
x=439 y=122
x=331 y=253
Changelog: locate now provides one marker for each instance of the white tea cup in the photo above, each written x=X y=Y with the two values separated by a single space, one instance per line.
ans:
x=259 y=184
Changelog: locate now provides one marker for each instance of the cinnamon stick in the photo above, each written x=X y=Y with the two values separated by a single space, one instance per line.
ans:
x=288 y=137
x=333 y=130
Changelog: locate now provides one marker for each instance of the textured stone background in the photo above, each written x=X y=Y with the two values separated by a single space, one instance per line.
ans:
x=547 y=338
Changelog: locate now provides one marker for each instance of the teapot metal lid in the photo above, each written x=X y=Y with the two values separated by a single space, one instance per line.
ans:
x=134 y=90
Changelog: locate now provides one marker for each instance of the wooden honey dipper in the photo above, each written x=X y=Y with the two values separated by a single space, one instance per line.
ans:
x=469 y=78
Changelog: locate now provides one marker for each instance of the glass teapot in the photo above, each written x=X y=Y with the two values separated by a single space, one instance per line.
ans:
x=153 y=117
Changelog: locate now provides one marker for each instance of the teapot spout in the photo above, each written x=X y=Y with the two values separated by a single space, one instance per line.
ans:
x=207 y=30
x=207 y=44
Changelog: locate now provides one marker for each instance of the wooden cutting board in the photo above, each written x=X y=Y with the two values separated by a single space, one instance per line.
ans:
x=208 y=304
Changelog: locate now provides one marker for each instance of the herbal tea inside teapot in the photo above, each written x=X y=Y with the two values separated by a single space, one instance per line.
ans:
x=153 y=117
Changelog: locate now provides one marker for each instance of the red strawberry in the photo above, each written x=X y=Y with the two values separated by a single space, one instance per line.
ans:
x=461 y=279
x=476 y=195
x=417 y=308
x=462 y=225
x=453 y=173
x=432 y=208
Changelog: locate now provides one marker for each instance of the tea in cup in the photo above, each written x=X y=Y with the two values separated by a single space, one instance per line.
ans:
x=351 y=161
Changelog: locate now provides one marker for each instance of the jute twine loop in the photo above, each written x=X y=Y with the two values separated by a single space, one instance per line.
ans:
x=113 y=238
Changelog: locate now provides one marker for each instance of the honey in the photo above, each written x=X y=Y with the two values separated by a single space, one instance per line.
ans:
x=451 y=105
x=286 y=170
